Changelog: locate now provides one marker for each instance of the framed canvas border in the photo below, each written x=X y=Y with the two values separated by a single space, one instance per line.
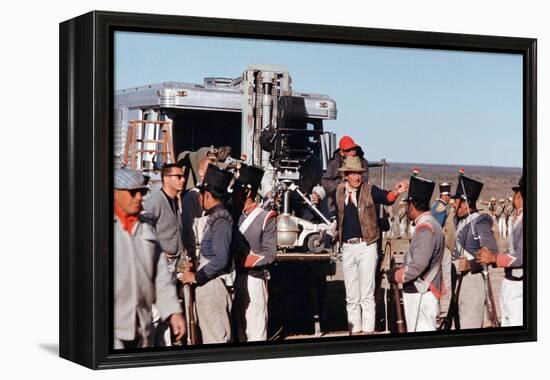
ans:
x=86 y=168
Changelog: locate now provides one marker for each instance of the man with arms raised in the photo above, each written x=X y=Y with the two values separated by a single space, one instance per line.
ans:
x=358 y=232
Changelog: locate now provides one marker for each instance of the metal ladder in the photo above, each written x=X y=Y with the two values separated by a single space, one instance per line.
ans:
x=135 y=144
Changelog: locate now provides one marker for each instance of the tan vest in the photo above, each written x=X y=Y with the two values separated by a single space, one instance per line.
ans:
x=366 y=210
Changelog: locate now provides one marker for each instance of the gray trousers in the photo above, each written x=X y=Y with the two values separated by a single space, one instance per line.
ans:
x=213 y=303
x=471 y=301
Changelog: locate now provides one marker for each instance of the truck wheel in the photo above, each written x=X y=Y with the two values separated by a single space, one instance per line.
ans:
x=315 y=243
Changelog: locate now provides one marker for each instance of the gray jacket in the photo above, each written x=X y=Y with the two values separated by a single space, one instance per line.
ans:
x=141 y=279
x=166 y=222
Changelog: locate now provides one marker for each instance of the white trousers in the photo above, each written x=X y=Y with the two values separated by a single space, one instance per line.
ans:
x=250 y=308
x=445 y=299
x=359 y=267
x=502 y=226
x=420 y=311
x=213 y=303
x=403 y=229
x=511 y=300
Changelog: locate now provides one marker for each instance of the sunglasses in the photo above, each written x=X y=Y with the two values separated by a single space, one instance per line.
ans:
x=134 y=192
x=180 y=176
x=348 y=150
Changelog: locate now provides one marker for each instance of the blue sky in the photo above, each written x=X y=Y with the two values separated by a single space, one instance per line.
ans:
x=405 y=105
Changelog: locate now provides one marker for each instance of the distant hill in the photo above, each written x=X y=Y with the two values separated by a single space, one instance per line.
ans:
x=497 y=180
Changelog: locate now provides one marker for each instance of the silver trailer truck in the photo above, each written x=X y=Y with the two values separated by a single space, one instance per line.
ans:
x=266 y=123
x=258 y=115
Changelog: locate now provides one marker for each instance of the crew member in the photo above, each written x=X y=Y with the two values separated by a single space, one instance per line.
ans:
x=163 y=208
x=358 y=232
x=141 y=270
x=421 y=273
x=346 y=148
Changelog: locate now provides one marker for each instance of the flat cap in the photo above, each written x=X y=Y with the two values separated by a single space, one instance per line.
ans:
x=128 y=179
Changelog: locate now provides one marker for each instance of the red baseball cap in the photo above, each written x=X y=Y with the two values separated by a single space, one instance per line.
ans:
x=346 y=143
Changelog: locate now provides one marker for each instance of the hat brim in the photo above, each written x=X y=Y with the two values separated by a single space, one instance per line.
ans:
x=349 y=147
x=132 y=188
x=246 y=186
x=352 y=170
x=216 y=192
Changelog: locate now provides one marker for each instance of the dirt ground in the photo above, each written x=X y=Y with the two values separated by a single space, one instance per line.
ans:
x=332 y=320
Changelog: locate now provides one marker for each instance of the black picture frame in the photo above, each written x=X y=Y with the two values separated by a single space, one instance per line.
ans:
x=86 y=114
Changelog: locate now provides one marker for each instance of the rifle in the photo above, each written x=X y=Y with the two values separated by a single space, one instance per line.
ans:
x=193 y=332
x=452 y=313
x=489 y=296
x=193 y=327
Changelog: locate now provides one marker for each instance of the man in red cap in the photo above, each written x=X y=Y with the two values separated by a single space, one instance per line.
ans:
x=346 y=147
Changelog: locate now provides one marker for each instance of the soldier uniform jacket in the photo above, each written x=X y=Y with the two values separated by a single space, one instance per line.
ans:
x=467 y=244
x=260 y=240
x=513 y=261
x=439 y=211
x=141 y=279
x=422 y=269
x=215 y=245
x=443 y=213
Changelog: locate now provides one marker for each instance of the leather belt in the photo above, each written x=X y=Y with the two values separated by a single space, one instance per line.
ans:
x=355 y=241
x=513 y=278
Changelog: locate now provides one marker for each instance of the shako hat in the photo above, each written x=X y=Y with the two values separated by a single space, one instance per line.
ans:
x=445 y=188
x=249 y=177
x=468 y=189
x=420 y=189
x=216 y=181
